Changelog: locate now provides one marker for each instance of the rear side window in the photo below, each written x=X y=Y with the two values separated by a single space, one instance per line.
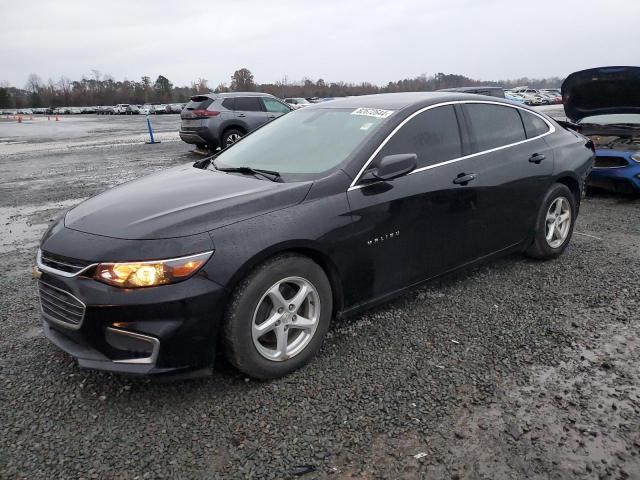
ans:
x=273 y=105
x=199 y=103
x=248 y=104
x=494 y=125
x=533 y=125
x=229 y=103
x=433 y=135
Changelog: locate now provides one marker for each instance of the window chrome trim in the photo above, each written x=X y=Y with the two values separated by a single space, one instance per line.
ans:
x=139 y=361
x=53 y=271
x=354 y=185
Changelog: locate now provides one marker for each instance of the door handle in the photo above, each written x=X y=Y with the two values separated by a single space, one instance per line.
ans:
x=271 y=116
x=537 y=158
x=240 y=115
x=463 y=178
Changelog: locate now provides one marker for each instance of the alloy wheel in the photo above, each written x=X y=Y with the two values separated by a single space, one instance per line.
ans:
x=558 y=222
x=286 y=319
x=233 y=138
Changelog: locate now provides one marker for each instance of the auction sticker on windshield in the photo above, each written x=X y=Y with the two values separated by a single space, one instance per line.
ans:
x=372 y=112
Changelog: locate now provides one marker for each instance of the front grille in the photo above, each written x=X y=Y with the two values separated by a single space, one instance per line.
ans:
x=60 y=306
x=609 y=162
x=64 y=264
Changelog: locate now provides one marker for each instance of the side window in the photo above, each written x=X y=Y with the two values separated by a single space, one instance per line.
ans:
x=533 y=125
x=248 y=104
x=229 y=103
x=433 y=135
x=273 y=105
x=494 y=125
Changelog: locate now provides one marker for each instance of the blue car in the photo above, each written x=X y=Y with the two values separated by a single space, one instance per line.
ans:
x=604 y=104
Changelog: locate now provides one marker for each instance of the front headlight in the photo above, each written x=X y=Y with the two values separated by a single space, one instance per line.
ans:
x=636 y=157
x=150 y=273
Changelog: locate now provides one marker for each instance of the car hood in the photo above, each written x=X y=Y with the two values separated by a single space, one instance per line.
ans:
x=601 y=91
x=179 y=202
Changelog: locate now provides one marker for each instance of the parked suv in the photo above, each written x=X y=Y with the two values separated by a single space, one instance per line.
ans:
x=219 y=120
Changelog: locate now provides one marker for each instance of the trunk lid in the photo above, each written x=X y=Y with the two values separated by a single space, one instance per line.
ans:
x=193 y=114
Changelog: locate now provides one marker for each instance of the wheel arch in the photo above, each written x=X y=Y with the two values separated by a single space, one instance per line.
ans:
x=572 y=183
x=233 y=126
x=306 y=248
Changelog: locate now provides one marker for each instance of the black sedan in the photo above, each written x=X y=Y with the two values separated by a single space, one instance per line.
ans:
x=320 y=214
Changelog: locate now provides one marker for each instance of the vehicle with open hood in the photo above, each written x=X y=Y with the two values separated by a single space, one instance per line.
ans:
x=319 y=214
x=604 y=104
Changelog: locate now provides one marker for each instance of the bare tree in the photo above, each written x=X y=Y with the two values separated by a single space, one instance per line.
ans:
x=34 y=83
x=201 y=86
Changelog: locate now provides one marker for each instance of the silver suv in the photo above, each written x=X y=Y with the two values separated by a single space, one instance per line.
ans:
x=219 y=120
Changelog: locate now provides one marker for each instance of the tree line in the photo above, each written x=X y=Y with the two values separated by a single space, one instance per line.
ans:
x=99 y=89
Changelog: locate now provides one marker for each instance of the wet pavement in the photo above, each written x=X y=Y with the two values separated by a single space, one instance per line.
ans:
x=515 y=369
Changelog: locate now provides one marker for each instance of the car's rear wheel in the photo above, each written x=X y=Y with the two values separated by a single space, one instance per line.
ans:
x=231 y=136
x=278 y=317
x=555 y=223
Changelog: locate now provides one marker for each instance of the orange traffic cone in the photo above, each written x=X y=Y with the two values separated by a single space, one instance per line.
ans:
x=20 y=119
x=57 y=119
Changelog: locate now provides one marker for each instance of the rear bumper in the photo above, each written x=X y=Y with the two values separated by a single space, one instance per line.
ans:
x=199 y=136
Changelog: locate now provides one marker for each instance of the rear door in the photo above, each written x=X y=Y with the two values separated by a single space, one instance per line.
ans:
x=250 y=112
x=512 y=170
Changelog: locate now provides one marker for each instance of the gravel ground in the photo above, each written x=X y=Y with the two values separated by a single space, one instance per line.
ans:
x=516 y=369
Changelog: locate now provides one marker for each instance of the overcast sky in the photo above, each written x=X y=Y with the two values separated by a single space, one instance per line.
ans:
x=350 y=40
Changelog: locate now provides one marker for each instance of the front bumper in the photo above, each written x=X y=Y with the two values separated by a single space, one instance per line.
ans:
x=159 y=330
x=625 y=179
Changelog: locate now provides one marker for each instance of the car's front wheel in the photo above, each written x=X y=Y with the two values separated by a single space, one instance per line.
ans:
x=278 y=317
x=555 y=223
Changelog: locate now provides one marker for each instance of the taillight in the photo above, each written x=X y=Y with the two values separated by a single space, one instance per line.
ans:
x=202 y=113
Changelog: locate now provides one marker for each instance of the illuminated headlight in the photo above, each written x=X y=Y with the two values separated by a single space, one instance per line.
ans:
x=150 y=273
x=636 y=157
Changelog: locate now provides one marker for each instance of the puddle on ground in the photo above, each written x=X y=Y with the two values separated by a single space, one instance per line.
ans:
x=23 y=226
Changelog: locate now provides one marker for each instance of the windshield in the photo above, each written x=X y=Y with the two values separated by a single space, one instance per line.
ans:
x=614 y=118
x=307 y=141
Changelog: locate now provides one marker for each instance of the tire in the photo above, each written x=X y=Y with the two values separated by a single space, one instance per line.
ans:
x=550 y=241
x=230 y=137
x=259 y=354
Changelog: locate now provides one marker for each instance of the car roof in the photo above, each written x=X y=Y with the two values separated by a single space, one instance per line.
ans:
x=399 y=101
x=231 y=94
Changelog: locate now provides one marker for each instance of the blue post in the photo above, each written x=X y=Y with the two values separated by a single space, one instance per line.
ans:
x=151 y=132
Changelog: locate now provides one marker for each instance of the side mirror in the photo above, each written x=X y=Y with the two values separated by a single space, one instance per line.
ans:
x=392 y=166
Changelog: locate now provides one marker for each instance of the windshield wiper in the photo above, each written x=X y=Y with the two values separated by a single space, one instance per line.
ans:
x=268 y=174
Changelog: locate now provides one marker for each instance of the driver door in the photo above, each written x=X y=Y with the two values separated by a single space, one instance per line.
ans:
x=415 y=226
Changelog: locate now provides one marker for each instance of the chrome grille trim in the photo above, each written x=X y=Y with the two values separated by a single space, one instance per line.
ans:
x=60 y=307
x=46 y=268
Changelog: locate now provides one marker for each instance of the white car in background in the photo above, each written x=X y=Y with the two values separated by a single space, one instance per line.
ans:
x=145 y=109
x=120 y=109
x=160 y=108
x=298 y=102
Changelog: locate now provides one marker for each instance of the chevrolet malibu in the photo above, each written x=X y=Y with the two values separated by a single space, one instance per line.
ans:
x=318 y=215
